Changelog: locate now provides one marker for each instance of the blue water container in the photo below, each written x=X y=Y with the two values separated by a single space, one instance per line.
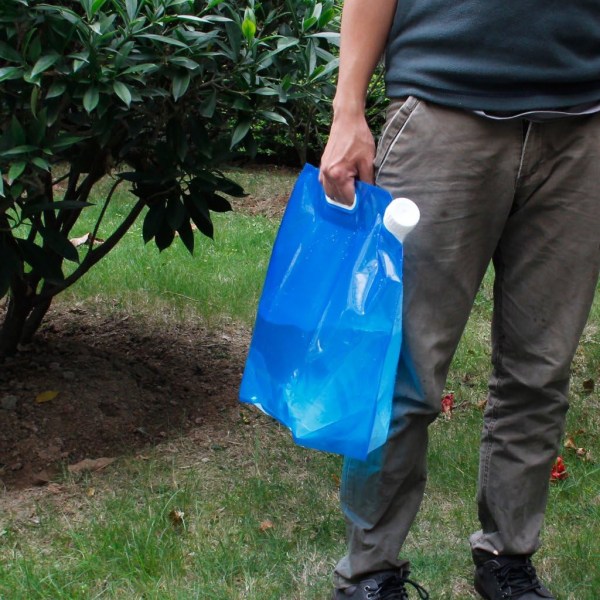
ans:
x=327 y=336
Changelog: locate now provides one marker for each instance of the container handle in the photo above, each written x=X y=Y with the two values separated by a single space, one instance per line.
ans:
x=337 y=204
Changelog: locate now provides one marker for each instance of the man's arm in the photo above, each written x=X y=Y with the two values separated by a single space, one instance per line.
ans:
x=350 y=150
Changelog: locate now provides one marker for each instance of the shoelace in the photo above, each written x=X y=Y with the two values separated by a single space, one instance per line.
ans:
x=517 y=578
x=393 y=588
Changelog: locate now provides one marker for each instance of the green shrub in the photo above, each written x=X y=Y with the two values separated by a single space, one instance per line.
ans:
x=157 y=93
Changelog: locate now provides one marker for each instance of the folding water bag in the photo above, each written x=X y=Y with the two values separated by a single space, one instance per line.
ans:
x=326 y=342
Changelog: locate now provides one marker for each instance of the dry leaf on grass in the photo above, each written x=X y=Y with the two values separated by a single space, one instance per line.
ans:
x=579 y=451
x=559 y=470
x=584 y=455
x=176 y=517
x=91 y=464
x=448 y=404
x=266 y=525
x=85 y=239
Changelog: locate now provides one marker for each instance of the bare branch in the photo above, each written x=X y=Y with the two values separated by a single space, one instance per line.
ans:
x=95 y=255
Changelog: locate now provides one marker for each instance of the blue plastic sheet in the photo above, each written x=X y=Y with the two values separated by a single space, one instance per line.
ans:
x=326 y=342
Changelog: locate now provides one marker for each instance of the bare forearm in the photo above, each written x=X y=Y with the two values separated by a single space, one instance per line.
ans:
x=350 y=150
x=365 y=28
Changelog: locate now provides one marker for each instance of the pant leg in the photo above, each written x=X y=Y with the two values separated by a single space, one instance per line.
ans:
x=460 y=169
x=547 y=264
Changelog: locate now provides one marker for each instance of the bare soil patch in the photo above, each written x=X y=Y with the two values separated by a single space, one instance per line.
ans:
x=123 y=384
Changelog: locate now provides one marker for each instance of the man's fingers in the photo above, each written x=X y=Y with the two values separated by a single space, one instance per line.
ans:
x=347 y=193
x=366 y=171
x=340 y=191
x=338 y=183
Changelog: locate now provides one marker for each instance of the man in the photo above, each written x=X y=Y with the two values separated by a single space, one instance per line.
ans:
x=494 y=131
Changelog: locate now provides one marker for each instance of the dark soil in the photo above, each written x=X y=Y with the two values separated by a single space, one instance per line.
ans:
x=122 y=385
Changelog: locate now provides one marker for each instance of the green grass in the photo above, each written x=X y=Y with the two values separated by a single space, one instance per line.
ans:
x=261 y=518
x=223 y=277
x=250 y=527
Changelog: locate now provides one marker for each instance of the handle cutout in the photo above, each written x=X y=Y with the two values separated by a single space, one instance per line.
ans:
x=336 y=203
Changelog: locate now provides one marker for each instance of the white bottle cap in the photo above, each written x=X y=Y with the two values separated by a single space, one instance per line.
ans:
x=400 y=217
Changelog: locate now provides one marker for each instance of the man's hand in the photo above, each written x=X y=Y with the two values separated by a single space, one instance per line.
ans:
x=350 y=151
x=348 y=156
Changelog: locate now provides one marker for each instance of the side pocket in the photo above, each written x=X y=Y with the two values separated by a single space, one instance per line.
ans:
x=398 y=113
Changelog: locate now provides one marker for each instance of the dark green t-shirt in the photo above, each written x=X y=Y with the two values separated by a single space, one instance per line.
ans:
x=497 y=55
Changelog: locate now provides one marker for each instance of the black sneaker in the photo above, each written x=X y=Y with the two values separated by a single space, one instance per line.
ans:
x=385 y=585
x=508 y=578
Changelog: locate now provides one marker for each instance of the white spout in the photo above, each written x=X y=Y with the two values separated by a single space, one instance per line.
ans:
x=400 y=217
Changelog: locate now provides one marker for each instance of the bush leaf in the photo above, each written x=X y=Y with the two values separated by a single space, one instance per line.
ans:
x=180 y=85
x=44 y=63
x=240 y=132
x=123 y=92
x=90 y=99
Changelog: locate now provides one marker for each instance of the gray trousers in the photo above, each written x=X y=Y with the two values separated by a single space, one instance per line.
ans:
x=527 y=197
